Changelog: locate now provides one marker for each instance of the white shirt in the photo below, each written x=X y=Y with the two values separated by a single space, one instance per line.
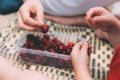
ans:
x=116 y=8
x=72 y=7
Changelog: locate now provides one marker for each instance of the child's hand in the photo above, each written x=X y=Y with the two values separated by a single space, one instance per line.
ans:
x=99 y=17
x=32 y=75
x=80 y=60
x=9 y=72
x=80 y=56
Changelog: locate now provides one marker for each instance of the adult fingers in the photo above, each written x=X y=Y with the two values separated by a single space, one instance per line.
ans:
x=40 y=16
x=27 y=19
x=22 y=25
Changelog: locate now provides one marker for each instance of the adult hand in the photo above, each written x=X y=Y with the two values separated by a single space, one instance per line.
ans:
x=30 y=15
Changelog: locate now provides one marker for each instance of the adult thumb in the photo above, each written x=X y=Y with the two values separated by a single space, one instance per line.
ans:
x=40 y=16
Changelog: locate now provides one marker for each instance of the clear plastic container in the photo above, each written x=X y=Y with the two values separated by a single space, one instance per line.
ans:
x=46 y=57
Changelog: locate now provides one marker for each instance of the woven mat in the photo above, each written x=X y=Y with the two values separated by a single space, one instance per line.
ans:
x=99 y=60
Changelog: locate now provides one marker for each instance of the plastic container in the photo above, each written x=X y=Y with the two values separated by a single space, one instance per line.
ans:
x=46 y=57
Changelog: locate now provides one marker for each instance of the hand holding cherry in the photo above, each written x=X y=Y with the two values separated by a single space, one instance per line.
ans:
x=44 y=28
x=80 y=54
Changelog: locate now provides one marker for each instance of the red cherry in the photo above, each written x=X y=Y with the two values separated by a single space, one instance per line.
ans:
x=46 y=36
x=44 y=28
x=68 y=50
x=48 y=44
x=89 y=50
x=52 y=50
x=44 y=48
x=63 y=52
x=58 y=43
x=53 y=45
x=37 y=49
x=30 y=43
x=44 y=40
x=70 y=44
x=55 y=40
x=22 y=54
x=60 y=48
x=36 y=57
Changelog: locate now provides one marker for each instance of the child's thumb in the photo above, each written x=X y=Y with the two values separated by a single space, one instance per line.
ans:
x=84 y=48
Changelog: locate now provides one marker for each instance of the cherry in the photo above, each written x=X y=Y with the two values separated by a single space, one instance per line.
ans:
x=30 y=43
x=60 y=48
x=70 y=44
x=36 y=47
x=68 y=50
x=48 y=44
x=44 y=48
x=55 y=40
x=44 y=40
x=36 y=57
x=52 y=50
x=22 y=54
x=45 y=43
x=53 y=45
x=44 y=28
x=46 y=36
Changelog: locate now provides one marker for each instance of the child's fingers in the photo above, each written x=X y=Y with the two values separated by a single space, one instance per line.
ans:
x=76 y=49
x=89 y=19
x=99 y=19
x=77 y=46
x=89 y=45
x=92 y=13
x=89 y=51
x=89 y=22
x=84 y=48
x=81 y=48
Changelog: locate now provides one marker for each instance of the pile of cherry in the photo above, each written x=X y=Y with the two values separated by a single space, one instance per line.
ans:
x=45 y=43
x=48 y=43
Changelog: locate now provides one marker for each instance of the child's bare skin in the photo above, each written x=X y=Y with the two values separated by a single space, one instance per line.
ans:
x=9 y=72
x=101 y=34
x=102 y=19
x=80 y=60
